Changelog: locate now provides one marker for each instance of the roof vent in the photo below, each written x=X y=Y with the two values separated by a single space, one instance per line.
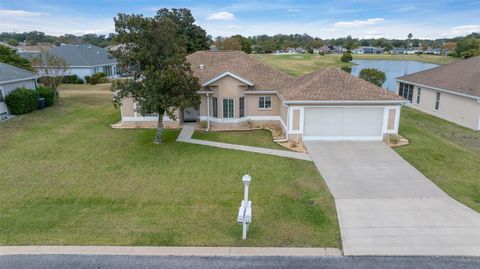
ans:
x=202 y=67
x=89 y=47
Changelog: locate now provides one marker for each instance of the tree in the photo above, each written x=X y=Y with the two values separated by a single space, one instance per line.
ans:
x=346 y=57
x=246 y=45
x=51 y=70
x=196 y=37
x=163 y=80
x=10 y=56
x=468 y=47
x=409 y=39
x=12 y=42
x=373 y=75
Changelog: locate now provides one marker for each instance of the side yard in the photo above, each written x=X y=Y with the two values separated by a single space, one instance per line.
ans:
x=446 y=153
x=66 y=177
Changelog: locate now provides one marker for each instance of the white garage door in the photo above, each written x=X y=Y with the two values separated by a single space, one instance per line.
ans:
x=343 y=123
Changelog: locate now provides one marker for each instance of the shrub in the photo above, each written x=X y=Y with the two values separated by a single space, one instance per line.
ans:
x=373 y=75
x=347 y=69
x=99 y=77
x=48 y=94
x=322 y=53
x=87 y=79
x=72 y=79
x=346 y=57
x=22 y=100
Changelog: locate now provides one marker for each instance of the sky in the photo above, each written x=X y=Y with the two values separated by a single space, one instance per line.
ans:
x=324 y=19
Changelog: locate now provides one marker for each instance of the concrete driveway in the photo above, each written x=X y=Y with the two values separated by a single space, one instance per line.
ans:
x=387 y=207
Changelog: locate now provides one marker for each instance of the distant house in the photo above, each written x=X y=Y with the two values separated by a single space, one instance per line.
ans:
x=12 y=77
x=368 y=50
x=398 y=51
x=450 y=92
x=86 y=60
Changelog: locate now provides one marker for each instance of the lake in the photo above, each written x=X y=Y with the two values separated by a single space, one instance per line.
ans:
x=392 y=69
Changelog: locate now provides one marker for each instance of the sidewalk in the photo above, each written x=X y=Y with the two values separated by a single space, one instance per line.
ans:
x=187 y=132
x=168 y=251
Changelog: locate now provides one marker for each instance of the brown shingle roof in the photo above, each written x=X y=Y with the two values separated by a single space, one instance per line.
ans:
x=333 y=84
x=462 y=77
x=239 y=63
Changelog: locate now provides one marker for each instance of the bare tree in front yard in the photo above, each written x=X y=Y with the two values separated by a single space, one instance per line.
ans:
x=51 y=70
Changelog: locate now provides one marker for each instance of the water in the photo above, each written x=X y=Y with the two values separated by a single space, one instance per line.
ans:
x=392 y=69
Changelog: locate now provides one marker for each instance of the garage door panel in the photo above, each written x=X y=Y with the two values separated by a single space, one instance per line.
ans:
x=343 y=122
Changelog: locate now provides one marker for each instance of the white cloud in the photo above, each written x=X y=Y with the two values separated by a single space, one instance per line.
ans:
x=222 y=15
x=358 y=23
x=20 y=13
x=294 y=10
x=465 y=29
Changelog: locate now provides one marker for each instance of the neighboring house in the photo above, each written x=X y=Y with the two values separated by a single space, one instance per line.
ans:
x=12 y=77
x=86 y=60
x=450 y=92
x=326 y=105
x=368 y=50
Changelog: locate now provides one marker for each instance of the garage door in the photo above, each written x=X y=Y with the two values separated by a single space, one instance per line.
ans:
x=343 y=123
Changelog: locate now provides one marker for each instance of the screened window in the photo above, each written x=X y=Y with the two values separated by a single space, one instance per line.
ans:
x=406 y=91
x=241 y=104
x=437 y=101
x=215 y=107
x=418 y=95
x=265 y=102
x=228 y=108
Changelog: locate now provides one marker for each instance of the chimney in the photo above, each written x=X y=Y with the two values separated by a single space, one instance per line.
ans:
x=202 y=67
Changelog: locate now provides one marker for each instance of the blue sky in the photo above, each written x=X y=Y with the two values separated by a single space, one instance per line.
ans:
x=361 y=19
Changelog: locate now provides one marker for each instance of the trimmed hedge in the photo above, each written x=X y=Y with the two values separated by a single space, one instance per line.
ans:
x=22 y=100
x=48 y=94
x=72 y=79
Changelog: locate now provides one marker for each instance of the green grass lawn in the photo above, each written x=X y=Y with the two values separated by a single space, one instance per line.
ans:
x=254 y=138
x=66 y=177
x=446 y=153
x=301 y=64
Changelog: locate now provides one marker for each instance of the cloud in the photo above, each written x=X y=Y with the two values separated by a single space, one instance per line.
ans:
x=358 y=23
x=465 y=29
x=294 y=10
x=20 y=13
x=222 y=15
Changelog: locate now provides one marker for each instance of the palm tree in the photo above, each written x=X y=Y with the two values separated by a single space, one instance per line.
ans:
x=409 y=38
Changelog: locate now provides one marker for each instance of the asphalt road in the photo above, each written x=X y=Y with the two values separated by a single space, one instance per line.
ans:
x=127 y=262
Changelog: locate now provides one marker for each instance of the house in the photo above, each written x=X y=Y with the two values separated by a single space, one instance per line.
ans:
x=326 y=105
x=450 y=92
x=11 y=78
x=86 y=60
x=368 y=50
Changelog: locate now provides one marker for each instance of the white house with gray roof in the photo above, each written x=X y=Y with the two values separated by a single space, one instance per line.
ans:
x=86 y=60
x=11 y=78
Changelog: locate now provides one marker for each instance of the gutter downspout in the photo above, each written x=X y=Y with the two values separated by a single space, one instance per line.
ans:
x=208 y=113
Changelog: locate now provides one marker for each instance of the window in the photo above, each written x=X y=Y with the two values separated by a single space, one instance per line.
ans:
x=215 y=107
x=265 y=102
x=419 y=91
x=241 y=104
x=228 y=108
x=437 y=101
x=406 y=91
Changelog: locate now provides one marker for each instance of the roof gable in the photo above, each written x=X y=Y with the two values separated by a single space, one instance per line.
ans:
x=10 y=73
x=224 y=74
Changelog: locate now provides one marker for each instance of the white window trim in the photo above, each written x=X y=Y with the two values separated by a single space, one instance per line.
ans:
x=271 y=102
x=225 y=98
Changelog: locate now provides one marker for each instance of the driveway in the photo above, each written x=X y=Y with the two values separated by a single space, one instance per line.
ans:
x=387 y=207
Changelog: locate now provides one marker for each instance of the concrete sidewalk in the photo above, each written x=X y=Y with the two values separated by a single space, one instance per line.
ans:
x=187 y=132
x=168 y=251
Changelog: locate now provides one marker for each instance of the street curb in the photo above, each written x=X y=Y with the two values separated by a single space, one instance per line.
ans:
x=168 y=251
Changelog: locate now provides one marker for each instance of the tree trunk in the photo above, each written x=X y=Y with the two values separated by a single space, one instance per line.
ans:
x=159 y=135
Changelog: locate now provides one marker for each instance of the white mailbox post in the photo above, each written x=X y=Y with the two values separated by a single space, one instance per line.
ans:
x=245 y=210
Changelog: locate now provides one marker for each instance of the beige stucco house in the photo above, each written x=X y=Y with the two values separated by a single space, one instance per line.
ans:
x=326 y=105
x=450 y=92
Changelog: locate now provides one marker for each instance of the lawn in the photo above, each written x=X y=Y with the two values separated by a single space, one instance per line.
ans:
x=301 y=64
x=66 y=177
x=254 y=138
x=446 y=153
